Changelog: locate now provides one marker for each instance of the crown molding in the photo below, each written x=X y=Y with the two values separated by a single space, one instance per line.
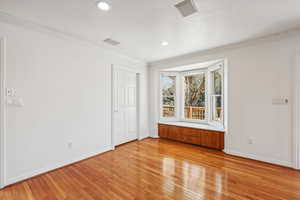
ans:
x=295 y=32
x=30 y=25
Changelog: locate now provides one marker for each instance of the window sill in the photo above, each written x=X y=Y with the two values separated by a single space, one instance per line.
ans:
x=194 y=125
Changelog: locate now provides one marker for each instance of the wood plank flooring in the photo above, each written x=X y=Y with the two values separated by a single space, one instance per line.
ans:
x=156 y=169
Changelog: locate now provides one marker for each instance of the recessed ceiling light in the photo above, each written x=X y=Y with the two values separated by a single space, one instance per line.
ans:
x=164 y=43
x=103 y=5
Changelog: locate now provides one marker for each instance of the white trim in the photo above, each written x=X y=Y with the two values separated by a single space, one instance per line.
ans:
x=226 y=104
x=112 y=107
x=193 y=72
x=259 y=158
x=143 y=137
x=194 y=125
x=138 y=100
x=55 y=166
x=217 y=66
x=296 y=111
x=137 y=72
x=2 y=114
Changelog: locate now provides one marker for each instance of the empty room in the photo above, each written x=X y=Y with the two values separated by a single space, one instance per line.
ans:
x=149 y=100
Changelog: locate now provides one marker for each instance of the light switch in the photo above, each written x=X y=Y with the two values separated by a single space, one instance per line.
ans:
x=11 y=92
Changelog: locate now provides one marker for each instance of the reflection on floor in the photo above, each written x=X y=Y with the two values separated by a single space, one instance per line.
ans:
x=157 y=169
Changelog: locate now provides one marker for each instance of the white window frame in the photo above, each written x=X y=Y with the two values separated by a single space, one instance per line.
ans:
x=176 y=103
x=182 y=103
x=210 y=95
x=180 y=98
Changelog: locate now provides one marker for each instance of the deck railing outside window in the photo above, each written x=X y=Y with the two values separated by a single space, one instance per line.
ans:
x=194 y=112
x=168 y=111
x=190 y=112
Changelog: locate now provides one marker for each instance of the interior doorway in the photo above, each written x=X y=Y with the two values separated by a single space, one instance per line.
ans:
x=125 y=106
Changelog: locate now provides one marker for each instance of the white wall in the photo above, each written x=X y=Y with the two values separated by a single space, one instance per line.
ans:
x=66 y=88
x=258 y=72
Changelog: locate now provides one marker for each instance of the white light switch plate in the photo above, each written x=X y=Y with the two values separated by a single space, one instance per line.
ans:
x=11 y=92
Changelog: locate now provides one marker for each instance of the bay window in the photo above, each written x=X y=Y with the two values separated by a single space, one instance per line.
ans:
x=193 y=95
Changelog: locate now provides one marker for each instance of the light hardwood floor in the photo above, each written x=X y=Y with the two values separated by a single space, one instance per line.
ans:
x=155 y=169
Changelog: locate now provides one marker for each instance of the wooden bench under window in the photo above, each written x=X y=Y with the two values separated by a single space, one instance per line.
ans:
x=206 y=138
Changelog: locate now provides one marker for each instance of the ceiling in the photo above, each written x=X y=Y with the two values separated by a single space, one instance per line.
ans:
x=141 y=25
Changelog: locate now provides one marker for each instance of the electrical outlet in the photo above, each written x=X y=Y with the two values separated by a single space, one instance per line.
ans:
x=70 y=145
x=250 y=141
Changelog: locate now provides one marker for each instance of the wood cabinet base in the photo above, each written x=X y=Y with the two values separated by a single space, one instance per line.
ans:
x=205 y=138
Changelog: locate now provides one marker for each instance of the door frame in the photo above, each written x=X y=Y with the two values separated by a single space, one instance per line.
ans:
x=2 y=111
x=137 y=73
x=296 y=111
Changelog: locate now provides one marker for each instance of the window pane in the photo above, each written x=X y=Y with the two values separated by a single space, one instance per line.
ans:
x=217 y=111
x=217 y=81
x=194 y=99
x=169 y=101
x=217 y=97
x=168 y=85
x=168 y=95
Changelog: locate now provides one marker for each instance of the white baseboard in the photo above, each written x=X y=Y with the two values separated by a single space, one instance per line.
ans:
x=156 y=136
x=28 y=175
x=259 y=158
x=143 y=137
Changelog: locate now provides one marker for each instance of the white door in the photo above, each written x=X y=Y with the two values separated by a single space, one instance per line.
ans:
x=124 y=106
